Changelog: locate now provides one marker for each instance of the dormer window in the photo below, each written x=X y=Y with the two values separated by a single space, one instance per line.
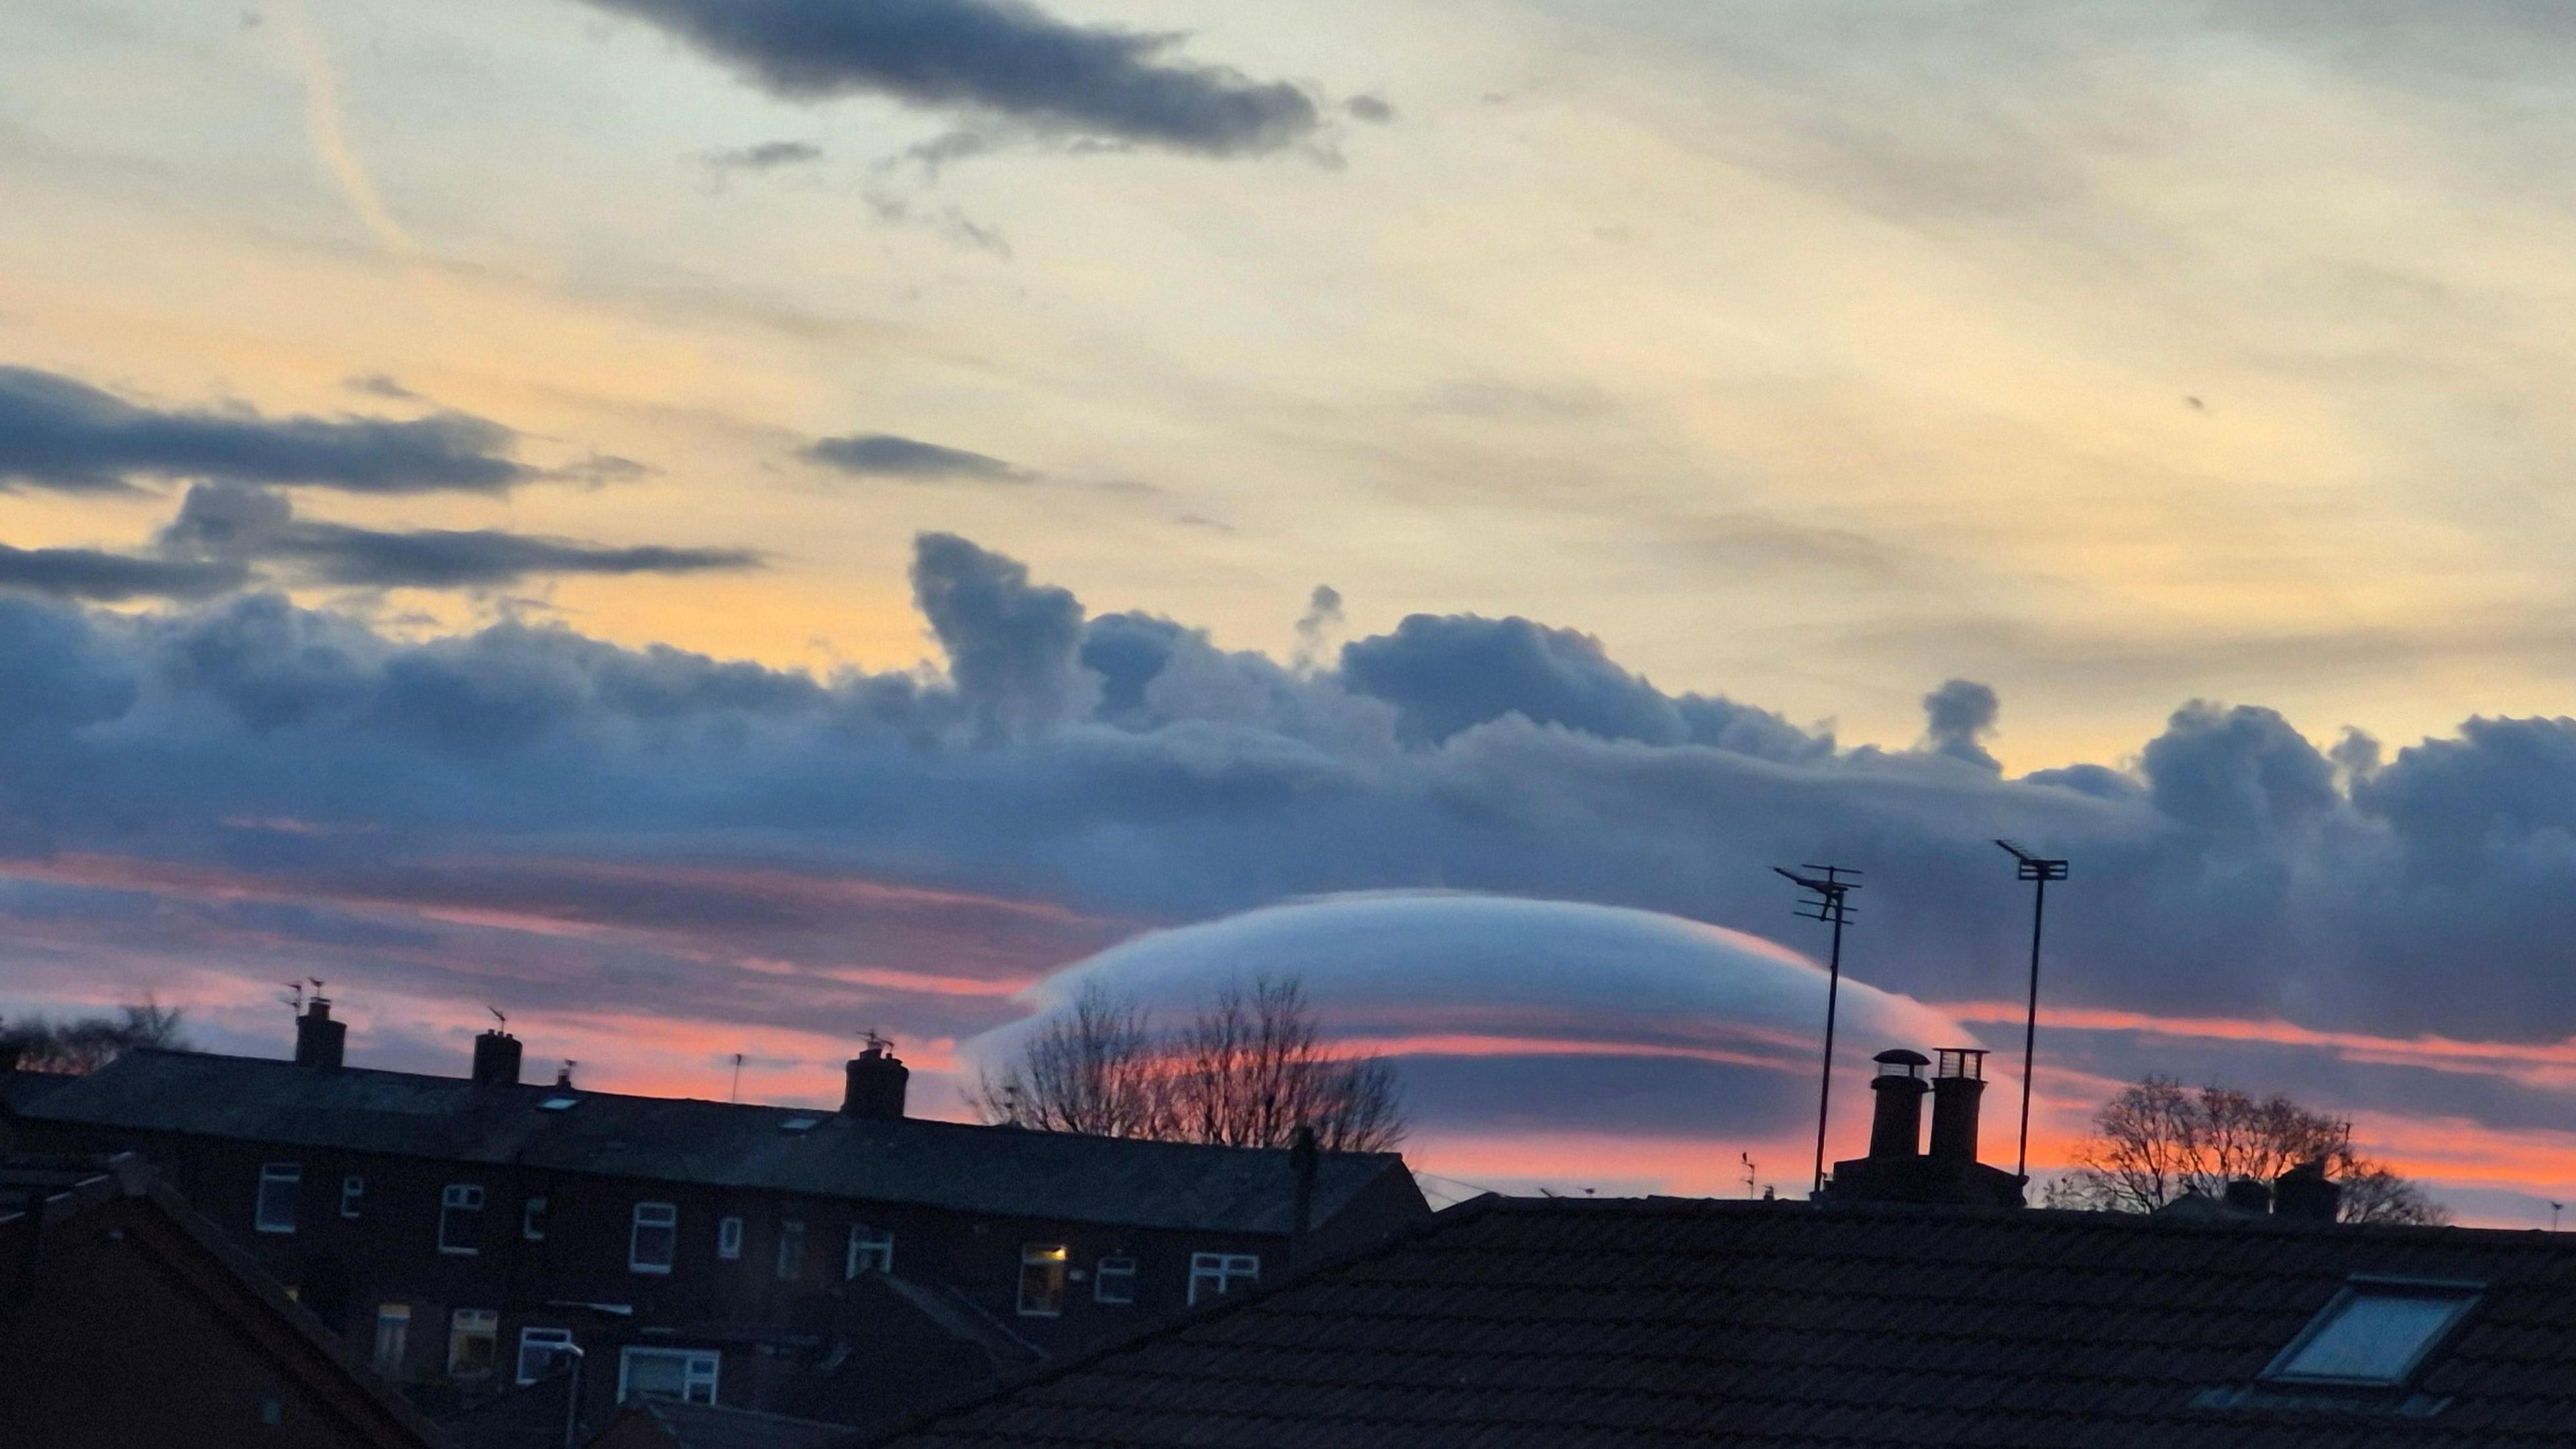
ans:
x=2375 y=1334
x=799 y=1124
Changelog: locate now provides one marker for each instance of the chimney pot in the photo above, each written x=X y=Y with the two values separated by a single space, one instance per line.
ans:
x=496 y=1059
x=319 y=1041
x=2306 y=1193
x=1957 y=1084
x=875 y=1083
x=1896 y=1127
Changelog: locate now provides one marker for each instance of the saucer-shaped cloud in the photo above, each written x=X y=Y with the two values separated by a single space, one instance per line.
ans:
x=1509 y=1016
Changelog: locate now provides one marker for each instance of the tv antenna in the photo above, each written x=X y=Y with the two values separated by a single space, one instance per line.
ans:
x=294 y=997
x=1750 y=1172
x=1826 y=900
x=736 y=1094
x=499 y=1015
x=2553 y=1215
x=2039 y=871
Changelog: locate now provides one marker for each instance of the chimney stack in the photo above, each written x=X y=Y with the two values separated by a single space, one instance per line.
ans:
x=1896 y=1128
x=2306 y=1193
x=496 y=1059
x=1956 y=1085
x=2247 y=1195
x=876 y=1082
x=319 y=1041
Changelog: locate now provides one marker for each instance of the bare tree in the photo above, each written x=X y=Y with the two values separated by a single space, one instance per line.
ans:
x=1247 y=1071
x=2157 y=1140
x=85 y=1044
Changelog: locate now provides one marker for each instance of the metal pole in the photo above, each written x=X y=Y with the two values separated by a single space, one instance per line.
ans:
x=2030 y=1024
x=572 y=1397
x=1825 y=1090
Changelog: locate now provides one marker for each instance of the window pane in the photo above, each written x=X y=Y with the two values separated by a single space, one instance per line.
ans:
x=1115 y=1282
x=1042 y=1279
x=473 y=1338
x=729 y=1238
x=460 y=1218
x=654 y=1239
x=668 y=1373
x=791 y=1250
x=871 y=1250
x=278 y=1184
x=353 y=1196
x=2373 y=1337
x=532 y=1220
x=393 y=1337
x=542 y=1351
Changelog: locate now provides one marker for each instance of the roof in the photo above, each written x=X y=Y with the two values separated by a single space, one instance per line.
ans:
x=1637 y=1324
x=706 y=1426
x=995 y=1171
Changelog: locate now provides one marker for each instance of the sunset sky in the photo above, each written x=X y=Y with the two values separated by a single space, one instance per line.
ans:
x=714 y=525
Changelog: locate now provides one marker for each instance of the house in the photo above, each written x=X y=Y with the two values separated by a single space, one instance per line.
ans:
x=127 y=1319
x=1916 y=1303
x=468 y=1232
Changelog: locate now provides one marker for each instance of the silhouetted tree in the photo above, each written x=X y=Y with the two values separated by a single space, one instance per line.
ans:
x=1246 y=1072
x=85 y=1044
x=2157 y=1140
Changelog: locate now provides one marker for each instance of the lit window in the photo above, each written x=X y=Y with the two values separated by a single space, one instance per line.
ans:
x=2377 y=1331
x=353 y=1196
x=729 y=1238
x=473 y=1338
x=1042 y=1280
x=543 y=1351
x=278 y=1184
x=668 y=1373
x=1115 y=1282
x=393 y=1338
x=651 y=1244
x=791 y=1249
x=871 y=1251
x=532 y=1219
x=1214 y=1275
x=460 y=1218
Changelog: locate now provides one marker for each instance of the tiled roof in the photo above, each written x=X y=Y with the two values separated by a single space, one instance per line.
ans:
x=998 y=1171
x=704 y=1426
x=1640 y=1324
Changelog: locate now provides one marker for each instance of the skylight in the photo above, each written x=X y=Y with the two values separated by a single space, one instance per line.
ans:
x=2376 y=1332
x=559 y=1104
x=798 y=1124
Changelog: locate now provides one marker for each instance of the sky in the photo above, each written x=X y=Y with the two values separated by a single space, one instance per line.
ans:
x=713 y=525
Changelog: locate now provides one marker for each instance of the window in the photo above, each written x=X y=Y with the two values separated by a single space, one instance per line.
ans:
x=542 y=1351
x=871 y=1251
x=2377 y=1332
x=473 y=1338
x=729 y=1239
x=353 y=1197
x=558 y=1103
x=278 y=1184
x=798 y=1124
x=1115 y=1282
x=668 y=1373
x=1042 y=1280
x=650 y=1244
x=532 y=1219
x=791 y=1249
x=393 y=1338
x=460 y=1218
x=1214 y=1275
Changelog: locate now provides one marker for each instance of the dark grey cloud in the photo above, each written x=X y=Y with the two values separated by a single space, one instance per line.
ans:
x=59 y=433
x=767 y=156
x=105 y=577
x=1000 y=57
x=1957 y=718
x=228 y=524
x=378 y=384
x=885 y=455
x=1012 y=645
x=1373 y=109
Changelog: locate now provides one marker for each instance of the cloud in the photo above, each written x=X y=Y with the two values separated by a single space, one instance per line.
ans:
x=227 y=525
x=1003 y=58
x=1373 y=109
x=61 y=434
x=1956 y=717
x=767 y=156
x=1011 y=645
x=88 y=573
x=884 y=455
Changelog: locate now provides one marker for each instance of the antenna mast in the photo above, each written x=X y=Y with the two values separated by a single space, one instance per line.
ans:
x=1824 y=901
x=2039 y=871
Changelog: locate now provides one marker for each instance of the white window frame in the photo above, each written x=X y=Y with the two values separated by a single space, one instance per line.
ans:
x=467 y=1323
x=1043 y=1255
x=2456 y=1297
x=871 y=1249
x=391 y=1350
x=658 y=1217
x=532 y=1217
x=459 y=1197
x=729 y=1239
x=533 y=1336
x=1120 y=1268
x=1219 y=1270
x=699 y=1368
x=791 y=1235
x=291 y=1176
x=353 y=1197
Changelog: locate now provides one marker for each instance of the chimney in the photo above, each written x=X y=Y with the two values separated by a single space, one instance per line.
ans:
x=2246 y=1195
x=1302 y=1161
x=496 y=1059
x=1957 y=1083
x=2306 y=1193
x=1896 y=1128
x=319 y=1041
x=876 y=1082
